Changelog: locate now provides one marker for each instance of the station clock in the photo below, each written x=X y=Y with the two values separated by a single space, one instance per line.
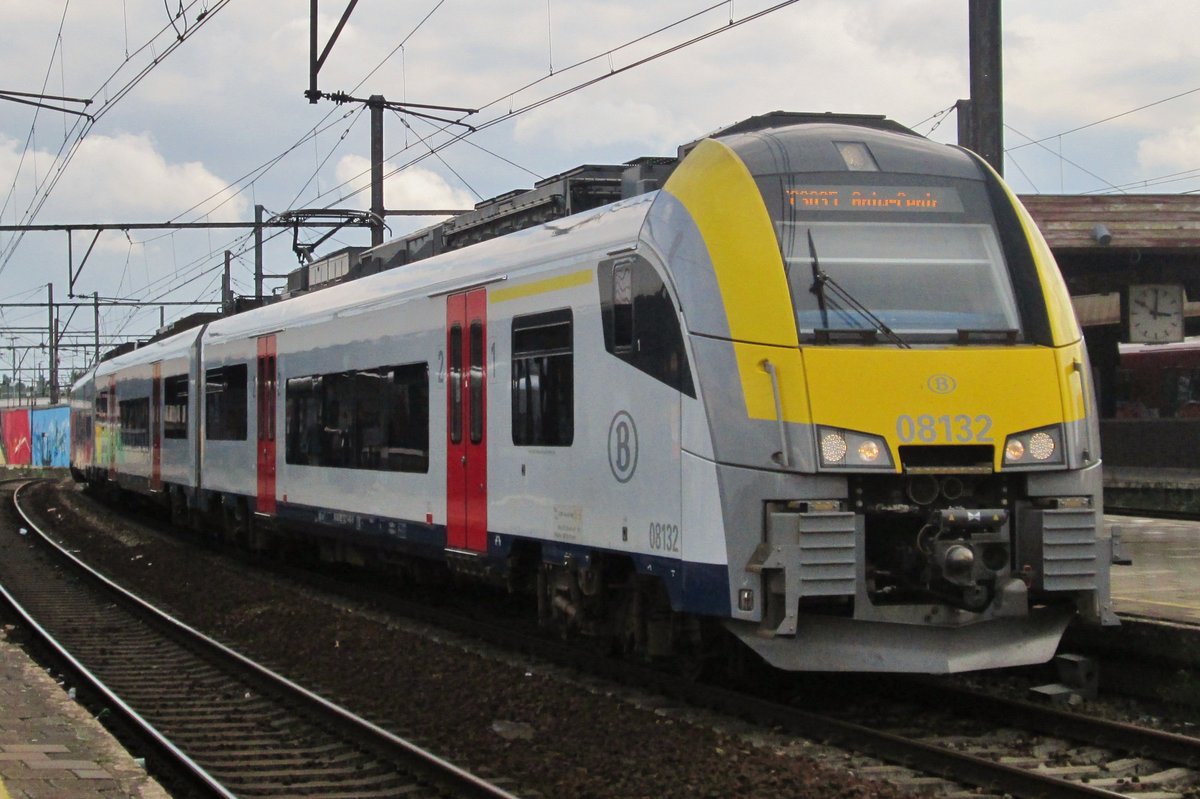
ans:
x=1155 y=313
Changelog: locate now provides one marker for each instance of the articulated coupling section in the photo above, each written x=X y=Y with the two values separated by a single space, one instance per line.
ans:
x=806 y=554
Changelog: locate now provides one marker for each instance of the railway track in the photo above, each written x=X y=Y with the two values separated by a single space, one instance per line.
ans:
x=237 y=728
x=992 y=745
x=988 y=744
x=979 y=744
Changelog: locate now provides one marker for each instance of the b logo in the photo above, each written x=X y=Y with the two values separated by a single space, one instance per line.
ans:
x=622 y=447
x=941 y=384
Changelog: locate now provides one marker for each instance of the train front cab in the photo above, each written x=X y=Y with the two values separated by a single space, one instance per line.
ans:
x=907 y=461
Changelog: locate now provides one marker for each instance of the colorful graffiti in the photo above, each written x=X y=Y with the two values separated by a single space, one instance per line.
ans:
x=51 y=437
x=15 y=436
x=38 y=437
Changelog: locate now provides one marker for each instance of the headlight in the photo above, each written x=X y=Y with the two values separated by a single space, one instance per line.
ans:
x=848 y=449
x=1040 y=447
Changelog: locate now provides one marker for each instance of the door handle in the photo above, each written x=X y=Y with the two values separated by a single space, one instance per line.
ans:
x=464 y=460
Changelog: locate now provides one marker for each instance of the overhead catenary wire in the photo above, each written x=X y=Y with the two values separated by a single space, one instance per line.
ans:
x=258 y=172
x=940 y=114
x=33 y=125
x=1160 y=180
x=438 y=155
x=355 y=114
x=571 y=90
x=315 y=130
x=433 y=150
x=83 y=126
x=186 y=276
x=614 y=71
x=1063 y=158
x=1109 y=118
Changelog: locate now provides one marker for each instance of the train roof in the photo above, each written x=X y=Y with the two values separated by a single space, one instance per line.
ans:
x=618 y=223
x=781 y=119
x=175 y=346
x=814 y=147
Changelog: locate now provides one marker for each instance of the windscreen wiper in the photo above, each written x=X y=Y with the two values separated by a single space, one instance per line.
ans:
x=821 y=280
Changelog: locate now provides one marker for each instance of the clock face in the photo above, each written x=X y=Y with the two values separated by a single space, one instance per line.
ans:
x=1155 y=313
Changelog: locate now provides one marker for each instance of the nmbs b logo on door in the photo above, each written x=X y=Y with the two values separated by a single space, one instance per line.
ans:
x=622 y=447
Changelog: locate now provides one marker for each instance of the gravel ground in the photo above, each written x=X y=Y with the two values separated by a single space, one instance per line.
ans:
x=498 y=717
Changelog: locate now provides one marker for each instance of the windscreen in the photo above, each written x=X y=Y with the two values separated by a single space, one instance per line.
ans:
x=920 y=258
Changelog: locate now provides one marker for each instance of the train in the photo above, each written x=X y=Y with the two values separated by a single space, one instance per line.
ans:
x=821 y=394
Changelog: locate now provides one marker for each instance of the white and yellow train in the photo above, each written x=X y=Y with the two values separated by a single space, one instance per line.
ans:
x=824 y=390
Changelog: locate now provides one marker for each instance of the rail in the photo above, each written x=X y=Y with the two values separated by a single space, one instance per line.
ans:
x=268 y=696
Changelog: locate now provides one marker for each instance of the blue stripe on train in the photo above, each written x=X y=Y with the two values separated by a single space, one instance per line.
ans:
x=701 y=588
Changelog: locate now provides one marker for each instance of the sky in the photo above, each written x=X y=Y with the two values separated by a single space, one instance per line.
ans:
x=199 y=114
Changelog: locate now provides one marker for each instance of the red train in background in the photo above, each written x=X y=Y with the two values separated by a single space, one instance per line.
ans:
x=1159 y=381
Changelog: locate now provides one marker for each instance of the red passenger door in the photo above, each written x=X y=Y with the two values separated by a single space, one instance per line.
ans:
x=265 y=393
x=466 y=414
x=156 y=427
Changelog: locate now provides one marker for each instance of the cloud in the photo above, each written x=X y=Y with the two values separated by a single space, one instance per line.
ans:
x=1173 y=150
x=414 y=188
x=121 y=178
x=1078 y=61
x=579 y=121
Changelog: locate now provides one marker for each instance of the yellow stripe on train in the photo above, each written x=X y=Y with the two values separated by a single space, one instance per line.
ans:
x=724 y=202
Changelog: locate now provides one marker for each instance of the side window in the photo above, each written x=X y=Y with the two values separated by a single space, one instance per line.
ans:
x=366 y=419
x=622 y=307
x=175 y=406
x=225 y=403
x=455 y=378
x=135 y=422
x=543 y=380
x=641 y=323
x=476 y=381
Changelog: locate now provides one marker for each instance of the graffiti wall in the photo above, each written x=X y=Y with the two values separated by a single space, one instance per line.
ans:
x=15 y=437
x=50 y=430
x=38 y=437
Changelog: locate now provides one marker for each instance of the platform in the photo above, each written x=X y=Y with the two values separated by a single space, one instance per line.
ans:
x=1163 y=582
x=1152 y=489
x=52 y=748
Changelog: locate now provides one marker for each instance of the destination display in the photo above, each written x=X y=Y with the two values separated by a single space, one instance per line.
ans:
x=936 y=199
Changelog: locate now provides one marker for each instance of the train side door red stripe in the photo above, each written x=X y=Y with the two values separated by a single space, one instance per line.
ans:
x=112 y=427
x=466 y=417
x=156 y=428
x=265 y=404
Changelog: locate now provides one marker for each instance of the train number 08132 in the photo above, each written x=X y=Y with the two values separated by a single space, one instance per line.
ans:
x=960 y=428
x=664 y=537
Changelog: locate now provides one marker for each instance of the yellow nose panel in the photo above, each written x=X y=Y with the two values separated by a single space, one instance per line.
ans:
x=972 y=395
x=724 y=202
